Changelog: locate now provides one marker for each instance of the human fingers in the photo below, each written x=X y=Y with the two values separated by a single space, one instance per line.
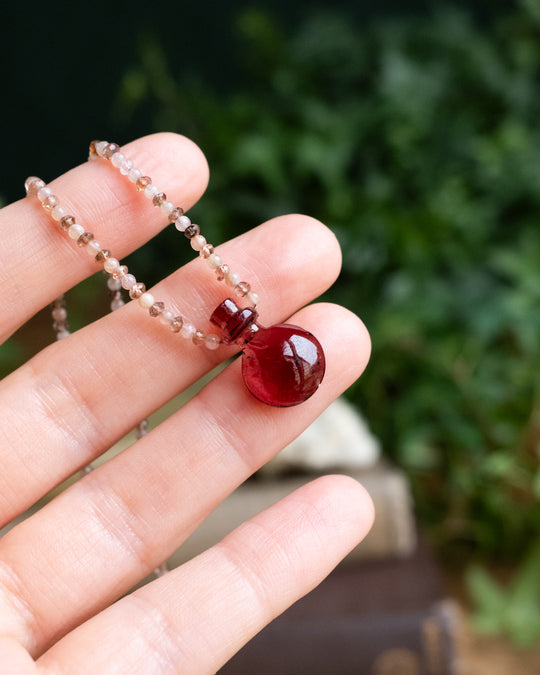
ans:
x=79 y=396
x=196 y=617
x=97 y=539
x=37 y=265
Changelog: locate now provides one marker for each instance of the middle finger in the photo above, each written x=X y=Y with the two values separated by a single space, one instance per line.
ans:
x=79 y=396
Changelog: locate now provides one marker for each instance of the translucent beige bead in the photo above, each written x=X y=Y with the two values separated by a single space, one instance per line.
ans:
x=119 y=272
x=58 y=212
x=232 y=279
x=108 y=150
x=159 y=199
x=188 y=330
x=150 y=191
x=206 y=251
x=214 y=261
x=252 y=299
x=44 y=193
x=198 y=338
x=66 y=222
x=84 y=239
x=167 y=207
x=211 y=341
x=166 y=317
x=176 y=324
x=32 y=184
x=128 y=281
x=100 y=147
x=102 y=255
x=137 y=290
x=198 y=242
x=59 y=313
x=75 y=231
x=93 y=248
x=143 y=182
x=49 y=203
x=134 y=174
x=146 y=300
x=156 y=309
x=242 y=289
x=111 y=265
x=181 y=223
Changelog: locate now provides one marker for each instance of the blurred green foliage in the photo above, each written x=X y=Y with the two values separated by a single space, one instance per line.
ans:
x=418 y=143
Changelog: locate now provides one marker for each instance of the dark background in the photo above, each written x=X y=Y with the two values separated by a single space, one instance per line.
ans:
x=62 y=63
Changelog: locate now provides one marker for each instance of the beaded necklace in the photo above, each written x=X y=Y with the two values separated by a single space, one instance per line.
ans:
x=282 y=365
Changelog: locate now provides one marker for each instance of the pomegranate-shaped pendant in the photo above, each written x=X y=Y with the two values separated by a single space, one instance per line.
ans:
x=282 y=365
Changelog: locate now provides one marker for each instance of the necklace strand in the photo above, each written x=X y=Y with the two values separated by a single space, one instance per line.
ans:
x=120 y=277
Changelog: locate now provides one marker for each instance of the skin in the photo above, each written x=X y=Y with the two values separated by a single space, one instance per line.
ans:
x=66 y=572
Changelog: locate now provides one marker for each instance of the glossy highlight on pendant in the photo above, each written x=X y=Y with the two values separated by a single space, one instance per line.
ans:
x=282 y=365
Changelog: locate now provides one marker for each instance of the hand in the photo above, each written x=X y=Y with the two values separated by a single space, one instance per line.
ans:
x=63 y=570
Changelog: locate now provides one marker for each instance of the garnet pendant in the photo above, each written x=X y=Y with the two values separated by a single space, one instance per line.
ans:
x=282 y=365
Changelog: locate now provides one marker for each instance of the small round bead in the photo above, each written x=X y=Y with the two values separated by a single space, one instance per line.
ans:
x=93 y=248
x=102 y=255
x=92 y=149
x=142 y=182
x=198 y=338
x=134 y=175
x=176 y=213
x=49 y=203
x=43 y=193
x=113 y=284
x=232 y=279
x=181 y=223
x=59 y=313
x=252 y=299
x=146 y=300
x=167 y=207
x=61 y=334
x=128 y=281
x=58 y=212
x=176 y=324
x=222 y=272
x=197 y=242
x=66 y=222
x=156 y=309
x=150 y=191
x=109 y=150
x=120 y=271
x=125 y=166
x=188 y=330
x=206 y=251
x=117 y=301
x=242 y=289
x=111 y=264
x=211 y=341
x=137 y=290
x=214 y=261
x=100 y=147
x=159 y=198
x=117 y=159
x=192 y=231
x=32 y=184
x=84 y=239
x=75 y=231
x=166 y=317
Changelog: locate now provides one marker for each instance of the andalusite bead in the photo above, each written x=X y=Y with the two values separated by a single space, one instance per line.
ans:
x=282 y=365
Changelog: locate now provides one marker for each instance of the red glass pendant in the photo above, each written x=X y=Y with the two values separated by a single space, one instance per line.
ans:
x=282 y=365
